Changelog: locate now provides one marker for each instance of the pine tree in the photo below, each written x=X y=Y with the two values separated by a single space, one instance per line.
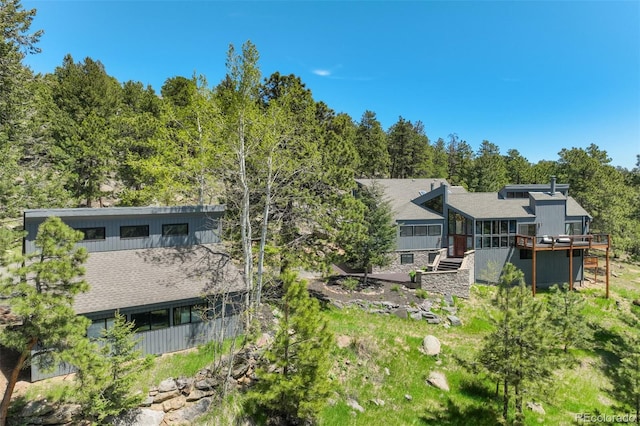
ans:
x=516 y=354
x=294 y=386
x=565 y=311
x=369 y=233
x=40 y=294
x=107 y=378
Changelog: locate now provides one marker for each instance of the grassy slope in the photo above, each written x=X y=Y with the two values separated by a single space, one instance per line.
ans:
x=582 y=386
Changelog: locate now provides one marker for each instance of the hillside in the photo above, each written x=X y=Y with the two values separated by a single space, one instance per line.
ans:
x=378 y=364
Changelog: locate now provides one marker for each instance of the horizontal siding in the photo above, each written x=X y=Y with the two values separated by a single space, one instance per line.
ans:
x=203 y=229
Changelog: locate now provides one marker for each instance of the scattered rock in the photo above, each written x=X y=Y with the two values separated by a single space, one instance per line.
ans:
x=64 y=414
x=438 y=380
x=264 y=340
x=147 y=401
x=189 y=413
x=378 y=402
x=198 y=394
x=431 y=345
x=240 y=370
x=36 y=409
x=343 y=341
x=416 y=316
x=454 y=320
x=174 y=404
x=425 y=306
x=536 y=407
x=408 y=397
x=636 y=302
x=450 y=309
x=338 y=304
x=164 y=396
x=205 y=384
x=167 y=385
x=401 y=313
x=387 y=372
x=139 y=417
x=448 y=300
x=352 y=403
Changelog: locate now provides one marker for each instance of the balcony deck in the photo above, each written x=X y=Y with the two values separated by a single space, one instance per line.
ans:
x=568 y=243
x=563 y=242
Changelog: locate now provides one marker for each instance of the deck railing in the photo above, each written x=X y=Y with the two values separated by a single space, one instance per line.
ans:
x=562 y=242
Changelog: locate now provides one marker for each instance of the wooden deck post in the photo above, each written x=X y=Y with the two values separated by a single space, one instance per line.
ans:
x=533 y=272
x=607 y=277
x=571 y=266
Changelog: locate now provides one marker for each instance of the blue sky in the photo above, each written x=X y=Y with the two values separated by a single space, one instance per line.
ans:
x=536 y=76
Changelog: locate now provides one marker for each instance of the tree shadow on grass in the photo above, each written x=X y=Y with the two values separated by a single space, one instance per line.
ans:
x=454 y=414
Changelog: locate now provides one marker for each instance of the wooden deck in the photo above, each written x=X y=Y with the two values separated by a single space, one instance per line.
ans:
x=567 y=243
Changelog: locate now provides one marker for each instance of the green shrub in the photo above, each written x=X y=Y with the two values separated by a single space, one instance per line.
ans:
x=422 y=293
x=395 y=288
x=349 y=284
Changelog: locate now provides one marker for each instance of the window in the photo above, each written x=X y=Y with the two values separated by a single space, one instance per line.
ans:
x=527 y=229
x=434 y=230
x=573 y=228
x=188 y=314
x=576 y=253
x=406 y=259
x=420 y=231
x=495 y=233
x=434 y=204
x=96 y=233
x=406 y=231
x=96 y=327
x=136 y=231
x=175 y=229
x=526 y=254
x=153 y=320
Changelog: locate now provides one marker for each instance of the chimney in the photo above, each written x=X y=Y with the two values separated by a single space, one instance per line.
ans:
x=553 y=185
x=433 y=184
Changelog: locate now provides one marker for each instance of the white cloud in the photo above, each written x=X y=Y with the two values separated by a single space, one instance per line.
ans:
x=322 y=73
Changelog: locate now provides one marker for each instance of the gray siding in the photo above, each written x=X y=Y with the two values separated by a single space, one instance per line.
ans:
x=419 y=242
x=552 y=266
x=170 y=339
x=551 y=217
x=204 y=228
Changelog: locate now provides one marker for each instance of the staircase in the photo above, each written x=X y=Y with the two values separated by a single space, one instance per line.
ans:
x=449 y=264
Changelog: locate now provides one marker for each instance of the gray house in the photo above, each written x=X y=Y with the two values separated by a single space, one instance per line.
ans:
x=539 y=228
x=162 y=267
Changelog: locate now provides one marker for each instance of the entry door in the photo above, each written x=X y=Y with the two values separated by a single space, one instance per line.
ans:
x=459 y=245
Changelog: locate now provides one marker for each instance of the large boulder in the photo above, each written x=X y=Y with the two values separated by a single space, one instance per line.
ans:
x=431 y=345
x=438 y=380
x=139 y=417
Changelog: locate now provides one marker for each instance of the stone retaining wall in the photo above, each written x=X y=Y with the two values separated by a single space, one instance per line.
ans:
x=455 y=283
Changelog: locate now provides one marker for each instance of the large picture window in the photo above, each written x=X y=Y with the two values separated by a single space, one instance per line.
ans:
x=495 y=233
x=135 y=231
x=573 y=228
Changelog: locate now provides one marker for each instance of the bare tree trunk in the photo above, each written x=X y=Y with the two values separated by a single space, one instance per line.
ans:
x=505 y=400
x=245 y=220
x=13 y=379
x=265 y=229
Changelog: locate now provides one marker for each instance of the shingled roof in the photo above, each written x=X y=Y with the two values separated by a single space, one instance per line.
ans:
x=130 y=278
x=400 y=193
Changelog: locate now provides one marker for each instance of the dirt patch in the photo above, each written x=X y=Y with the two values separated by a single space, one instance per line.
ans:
x=375 y=290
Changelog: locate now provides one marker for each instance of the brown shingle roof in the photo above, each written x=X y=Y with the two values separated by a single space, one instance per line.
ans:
x=128 y=278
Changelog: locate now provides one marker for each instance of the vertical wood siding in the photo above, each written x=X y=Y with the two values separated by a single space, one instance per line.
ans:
x=203 y=229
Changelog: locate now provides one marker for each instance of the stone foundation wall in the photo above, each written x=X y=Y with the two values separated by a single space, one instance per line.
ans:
x=455 y=283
